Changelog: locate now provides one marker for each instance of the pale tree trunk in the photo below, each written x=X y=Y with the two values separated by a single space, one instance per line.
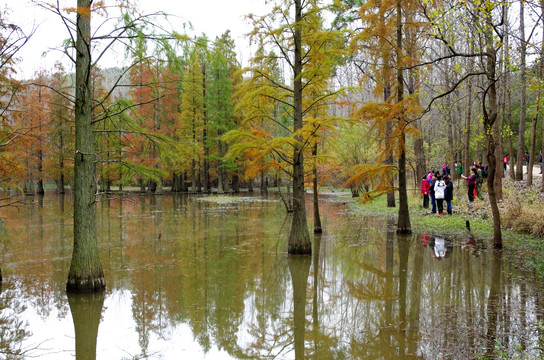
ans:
x=299 y=238
x=508 y=80
x=86 y=273
x=466 y=160
x=532 y=152
x=542 y=75
x=403 y=222
x=523 y=99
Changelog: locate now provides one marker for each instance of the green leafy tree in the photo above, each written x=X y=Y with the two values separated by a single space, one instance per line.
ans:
x=295 y=29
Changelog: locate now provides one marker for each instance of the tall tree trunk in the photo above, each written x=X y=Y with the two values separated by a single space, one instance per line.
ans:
x=40 y=190
x=299 y=238
x=523 y=99
x=513 y=162
x=389 y=160
x=86 y=274
x=205 y=134
x=532 y=152
x=497 y=132
x=60 y=184
x=490 y=116
x=403 y=224
x=466 y=160
x=317 y=218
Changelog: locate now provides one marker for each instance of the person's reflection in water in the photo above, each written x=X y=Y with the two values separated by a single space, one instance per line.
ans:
x=86 y=311
x=441 y=248
x=474 y=246
x=425 y=238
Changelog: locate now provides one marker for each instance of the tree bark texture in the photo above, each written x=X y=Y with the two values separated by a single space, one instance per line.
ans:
x=490 y=116
x=403 y=222
x=86 y=273
x=299 y=238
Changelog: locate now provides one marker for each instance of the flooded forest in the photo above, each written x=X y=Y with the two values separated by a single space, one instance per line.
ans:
x=260 y=191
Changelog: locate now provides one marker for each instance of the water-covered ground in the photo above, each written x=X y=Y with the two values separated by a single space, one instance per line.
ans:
x=207 y=277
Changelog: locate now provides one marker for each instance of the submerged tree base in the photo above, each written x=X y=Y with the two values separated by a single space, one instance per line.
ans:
x=300 y=250
x=404 y=231
x=86 y=285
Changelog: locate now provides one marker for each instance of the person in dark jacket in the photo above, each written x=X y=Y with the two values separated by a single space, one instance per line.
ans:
x=448 y=196
x=431 y=181
x=471 y=182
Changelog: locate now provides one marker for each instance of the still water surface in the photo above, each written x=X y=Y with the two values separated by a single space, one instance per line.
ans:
x=207 y=277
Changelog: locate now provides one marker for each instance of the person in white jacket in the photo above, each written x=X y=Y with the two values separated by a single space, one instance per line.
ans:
x=439 y=194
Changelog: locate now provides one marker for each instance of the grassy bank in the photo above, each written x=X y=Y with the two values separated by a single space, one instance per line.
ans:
x=522 y=217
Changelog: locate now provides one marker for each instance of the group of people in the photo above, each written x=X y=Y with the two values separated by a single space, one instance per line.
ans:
x=526 y=159
x=437 y=187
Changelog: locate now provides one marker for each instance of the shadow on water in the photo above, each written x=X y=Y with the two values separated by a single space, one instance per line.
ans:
x=207 y=277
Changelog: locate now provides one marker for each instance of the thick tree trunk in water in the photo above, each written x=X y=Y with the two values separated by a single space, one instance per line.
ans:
x=86 y=273
x=299 y=238
x=86 y=312
x=403 y=222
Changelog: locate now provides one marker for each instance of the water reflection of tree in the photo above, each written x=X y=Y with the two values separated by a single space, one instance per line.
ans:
x=13 y=330
x=86 y=312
